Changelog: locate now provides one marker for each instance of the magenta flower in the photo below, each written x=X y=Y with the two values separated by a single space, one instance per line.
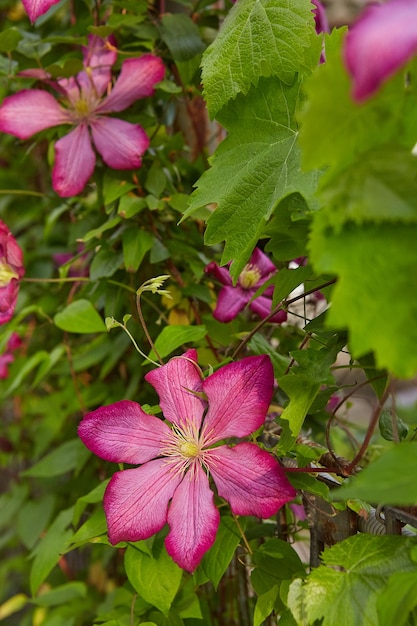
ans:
x=86 y=107
x=176 y=459
x=35 y=8
x=233 y=299
x=7 y=357
x=11 y=271
x=322 y=25
x=382 y=40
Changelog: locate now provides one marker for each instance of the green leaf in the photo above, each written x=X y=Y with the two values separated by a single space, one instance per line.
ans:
x=33 y=518
x=258 y=38
x=216 y=561
x=156 y=579
x=92 y=497
x=63 y=594
x=286 y=280
x=48 y=552
x=375 y=268
x=398 y=599
x=136 y=243
x=260 y=345
x=70 y=455
x=390 y=425
x=307 y=482
x=278 y=560
x=253 y=169
x=349 y=582
x=9 y=39
x=265 y=605
x=181 y=35
x=289 y=228
x=172 y=337
x=95 y=526
x=388 y=480
x=104 y=264
x=80 y=317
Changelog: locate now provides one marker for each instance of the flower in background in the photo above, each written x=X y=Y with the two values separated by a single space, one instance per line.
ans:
x=322 y=25
x=86 y=107
x=11 y=271
x=233 y=299
x=7 y=357
x=79 y=265
x=35 y=8
x=379 y=43
x=171 y=485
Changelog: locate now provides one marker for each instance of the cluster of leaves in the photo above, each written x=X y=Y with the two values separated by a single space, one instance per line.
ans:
x=303 y=172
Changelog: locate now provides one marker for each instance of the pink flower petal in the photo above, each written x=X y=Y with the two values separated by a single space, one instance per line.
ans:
x=231 y=301
x=123 y=433
x=35 y=8
x=120 y=143
x=10 y=251
x=137 y=79
x=136 y=501
x=74 y=162
x=193 y=520
x=8 y=299
x=174 y=383
x=382 y=41
x=99 y=57
x=262 y=307
x=250 y=479
x=5 y=360
x=239 y=395
x=30 y=111
x=320 y=17
x=263 y=263
x=222 y=274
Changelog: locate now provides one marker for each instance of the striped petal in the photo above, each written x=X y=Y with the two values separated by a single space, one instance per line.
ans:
x=74 y=162
x=123 y=433
x=136 y=501
x=175 y=383
x=120 y=143
x=250 y=479
x=35 y=8
x=231 y=301
x=30 y=111
x=239 y=395
x=193 y=520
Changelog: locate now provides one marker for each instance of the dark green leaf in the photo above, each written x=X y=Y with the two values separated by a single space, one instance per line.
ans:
x=70 y=455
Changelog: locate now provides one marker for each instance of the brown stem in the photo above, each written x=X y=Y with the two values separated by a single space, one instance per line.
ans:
x=145 y=330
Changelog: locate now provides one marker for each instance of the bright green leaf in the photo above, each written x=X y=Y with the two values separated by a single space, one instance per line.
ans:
x=80 y=317
x=265 y=605
x=217 y=559
x=9 y=39
x=172 y=337
x=398 y=599
x=391 y=426
x=70 y=455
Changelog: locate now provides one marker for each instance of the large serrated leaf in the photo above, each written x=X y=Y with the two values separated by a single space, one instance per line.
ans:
x=258 y=38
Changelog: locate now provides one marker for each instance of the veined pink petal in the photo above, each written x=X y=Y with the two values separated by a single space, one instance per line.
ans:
x=262 y=307
x=175 y=383
x=8 y=299
x=382 y=40
x=74 y=162
x=239 y=395
x=136 y=501
x=30 y=111
x=222 y=274
x=193 y=520
x=35 y=8
x=120 y=143
x=137 y=79
x=250 y=479
x=262 y=262
x=99 y=57
x=123 y=433
x=230 y=302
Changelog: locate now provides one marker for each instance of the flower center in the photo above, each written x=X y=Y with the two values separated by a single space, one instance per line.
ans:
x=6 y=274
x=249 y=276
x=82 y=108
x=188 y=449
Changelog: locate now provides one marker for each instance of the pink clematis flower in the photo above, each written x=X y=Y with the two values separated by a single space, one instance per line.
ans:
x=233 y=299
x=120 y=144
x=11 y=271
x=7 y=357
x=35 y=8
x=172 y=483
x=382 y=40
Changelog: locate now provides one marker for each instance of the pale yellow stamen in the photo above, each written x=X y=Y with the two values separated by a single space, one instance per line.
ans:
x=6 y=274
x=189 y=449
x=82 y=108
x=249 y=276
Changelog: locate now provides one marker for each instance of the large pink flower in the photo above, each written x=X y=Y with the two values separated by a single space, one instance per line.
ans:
x=11 y=271
x=233 y=299
x=176 y=459
x=120 y=144
x=382 y=40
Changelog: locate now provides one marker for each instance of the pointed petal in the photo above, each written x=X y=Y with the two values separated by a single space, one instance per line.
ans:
x=136 y=501
x=30 y=111
x=239 y=395
x=222 y=274
x=35 y=8
x=123 y=433
x=99 y=57
x=193 y=520
x=250 y=479
x=120 y=143
x=263 y=263
x=8 y=299
x=136 y=80
x=174 y=383
x=320 y=17
x=262 y=307
x=230 y=302
x=382 y=40
x=74 y=162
